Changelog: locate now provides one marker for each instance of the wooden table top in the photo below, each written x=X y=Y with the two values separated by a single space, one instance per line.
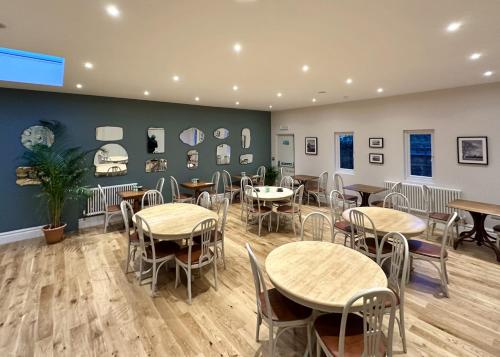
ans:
x=273 y=194
x=197 y=186
x=364 y=188
x=131 y=195
x=389 y=220
x=473 y=206
x=305 y=177
x=174 y=221
x=322 y=275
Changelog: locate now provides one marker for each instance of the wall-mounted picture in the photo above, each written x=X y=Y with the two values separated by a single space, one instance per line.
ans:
x=108 y=133
x=156 y=141
x=26 y=175
x=376 y=143
x=472 y=150
x=376 y=158
x=111 y=160
x=311 y=145
x=37 y=134
x=156 y=165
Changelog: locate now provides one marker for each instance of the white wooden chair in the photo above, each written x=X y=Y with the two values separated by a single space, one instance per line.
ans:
x=228 y=186
x=130 y=232
x=360 y=333
x=398 y=271
x=204 y=200
x=292 y=209
x=397 y=201
x=397 y=187
x=337 y=207
x=254 y=209
x=151 y=198
x=338 y=184
x=496 y=229
x=109 y=210
x=434 y=254
x=214 y=190
x=274 y=309
x=245 y=180
x=433 y=218
x=156 y=253
x=177 y=196
x=285 y=182
x=318 y=221
x=319 y=189
x=196 y=256
x=261 y=173
x=159 y=184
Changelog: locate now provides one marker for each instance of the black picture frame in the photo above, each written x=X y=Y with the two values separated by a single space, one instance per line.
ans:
x=376 y=143
x=472 y=150
x=311 y=145
x=372 y=158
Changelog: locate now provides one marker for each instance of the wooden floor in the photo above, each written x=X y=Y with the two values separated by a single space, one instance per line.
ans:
x=73 y=299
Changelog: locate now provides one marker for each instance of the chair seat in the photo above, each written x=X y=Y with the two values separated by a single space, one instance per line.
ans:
x=440 y=216
x=372 y=247
x=283 y=309
x=162 y=249
x=113 y=208
x=344 y=226
x=350 y=197
x=134 y=237
x=184 y=196
x=263 y=209
x=282 y=202
x=288 y=209
x=497 y=228
x=183 y=254
x=427 y=249
x=377 y=203
x=388 y=301
x=328 y=329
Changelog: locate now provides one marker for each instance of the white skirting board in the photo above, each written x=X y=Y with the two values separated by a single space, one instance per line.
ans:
x=21 y=234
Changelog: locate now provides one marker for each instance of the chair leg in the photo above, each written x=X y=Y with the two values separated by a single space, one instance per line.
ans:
x=257 y=330
x=309 y=339
x=293 y=225
x=277 y=222
x=177 y=275
x=139 y=278
x=188 y=275
x=269 y=222
x=106 y=221
x=259 y=218
x=444 y=279
x=153 y=280
x=127 y=263
x=215 y=273
x=271 y=340
x=401 y=324
x=318 y=348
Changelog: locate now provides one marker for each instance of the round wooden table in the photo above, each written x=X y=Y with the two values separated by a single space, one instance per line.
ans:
x=389 y=220
x=322 y=275
x=273 y=194
x=173 y=221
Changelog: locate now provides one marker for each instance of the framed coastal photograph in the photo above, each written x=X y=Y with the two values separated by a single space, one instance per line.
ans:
x=156 y=141
x=311 y=145
x=472 y=150
x=376 y=158
x=156 y=165
x=376 y=143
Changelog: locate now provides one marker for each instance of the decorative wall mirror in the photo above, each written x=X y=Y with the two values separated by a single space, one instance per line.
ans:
x=221 y=133
x=156 y=165
x=37 y=134
x=192 y=136
x=156 y=141
x=223 y=154
x=245 y=138
x=246 y=159
x=192 y=159
x=108 y=133
x=111 y=160
x=26 y=175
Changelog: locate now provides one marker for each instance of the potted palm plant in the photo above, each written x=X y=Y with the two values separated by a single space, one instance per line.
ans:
x=61 y=172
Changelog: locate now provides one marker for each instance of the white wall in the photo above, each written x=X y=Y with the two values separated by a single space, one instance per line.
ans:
x=465 y=111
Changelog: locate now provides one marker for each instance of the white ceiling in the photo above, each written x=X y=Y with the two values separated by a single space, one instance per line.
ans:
x=400 y=45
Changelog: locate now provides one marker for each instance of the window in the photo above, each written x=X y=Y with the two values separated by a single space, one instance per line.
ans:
x=345 y=151
x=419 y=154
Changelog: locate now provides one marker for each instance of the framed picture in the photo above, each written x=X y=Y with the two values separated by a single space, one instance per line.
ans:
x=376 y=158
x=376 y=143
x=472 y=150
x=311 y=145
x=156 y=141
x=156 y=165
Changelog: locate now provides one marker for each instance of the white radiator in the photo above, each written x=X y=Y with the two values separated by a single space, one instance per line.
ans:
x=95 y=205
x=441 y=196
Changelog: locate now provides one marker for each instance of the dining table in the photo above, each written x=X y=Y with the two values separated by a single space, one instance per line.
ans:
x=365 y=191
x=302 y=180
x=135 y=196
x=197 y=187
x=478 y=211
x=272 y=193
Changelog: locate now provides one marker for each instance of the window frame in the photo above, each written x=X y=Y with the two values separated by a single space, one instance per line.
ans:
x=337 y=152
x=407 y=155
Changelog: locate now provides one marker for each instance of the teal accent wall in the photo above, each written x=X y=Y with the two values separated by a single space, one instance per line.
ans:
x=81 y=114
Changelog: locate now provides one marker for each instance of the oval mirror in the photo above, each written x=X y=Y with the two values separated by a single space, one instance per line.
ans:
x=108 y=133
x=37 y=134
x=111 y=160
x=245 y=138
x=246 y=159
x=223 y=154
x=221 y=133
x=192 y=136
x=192 y=159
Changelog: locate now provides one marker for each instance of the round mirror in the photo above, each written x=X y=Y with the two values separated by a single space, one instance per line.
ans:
x=221 y=133
x=192 y=136
x=223 y=154
x=37 y=134
x=245 y=138
x=192 y=159
x=111 y=160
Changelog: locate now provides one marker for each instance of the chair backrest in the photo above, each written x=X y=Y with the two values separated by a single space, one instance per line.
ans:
x=337 y=205
x=174 y=186
x=397 y=201
x=427 y=198
x=362 y=227
x=159 y=184
x=323 y=181
x=142 y=225
x=103 y=197
x=297 y=197
x=399 y=262
x=203 y=230
x=203 y=200
x=447 y=234
x=215 y=180
x=397 y=187
x=261 y=172
x=152 y=198
x=259 y=281
x=222 y=213
x=251 y=198
x=226 y=179
x=127 y=213
x=318 y=221
x=286 y=182
x=338 y=183
x=245 y=181
x=373 y=311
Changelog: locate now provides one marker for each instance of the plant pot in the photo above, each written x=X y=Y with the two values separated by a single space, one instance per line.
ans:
x=53 y=235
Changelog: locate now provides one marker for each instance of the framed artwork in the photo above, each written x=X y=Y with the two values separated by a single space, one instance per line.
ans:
x=376 y=143
x=156 y=165
x=376 y=158
x=156 y=141
x=472 y=150
x=311 y=145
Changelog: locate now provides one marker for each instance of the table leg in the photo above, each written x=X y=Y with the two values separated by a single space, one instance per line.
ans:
x=478 y=234
x=137 y=205
x=365 y=199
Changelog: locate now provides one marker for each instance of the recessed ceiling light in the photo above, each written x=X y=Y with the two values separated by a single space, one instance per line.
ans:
x=113 y=11
x=314 y=100
x=235 y=88
x=237 y=103
x=488 y=73
x=197 y=99
x=270 y=107
x=475 y=56
x=79 y=86
x=348 y=80
x=453 y=26
x=237 y=47
x=176 y=78
x=88 y=65
x=380 y=90
x=279 y=94
x=146 y=92
x=305 y=68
